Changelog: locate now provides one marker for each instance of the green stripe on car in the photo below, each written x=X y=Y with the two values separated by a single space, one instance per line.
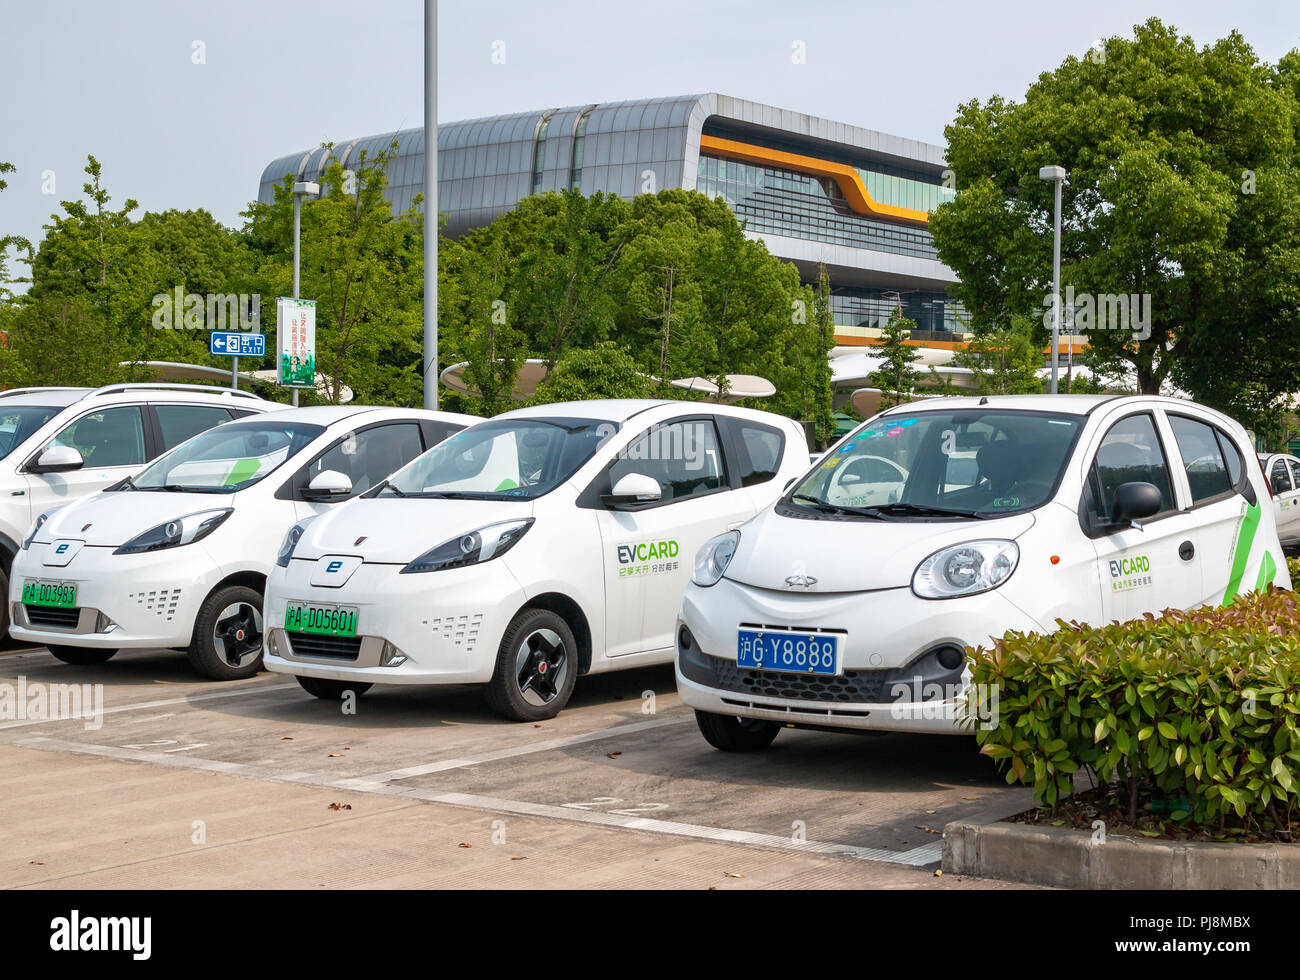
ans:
x=1245 y=538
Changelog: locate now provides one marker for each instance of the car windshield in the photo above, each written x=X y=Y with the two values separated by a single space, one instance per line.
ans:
x=934 y=465
x=510 y=459
x=225 y=459
x=17 y=422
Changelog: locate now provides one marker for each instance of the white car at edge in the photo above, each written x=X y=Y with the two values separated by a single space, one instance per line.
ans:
x=853 y=611
x=543 y=544
x=177 y=556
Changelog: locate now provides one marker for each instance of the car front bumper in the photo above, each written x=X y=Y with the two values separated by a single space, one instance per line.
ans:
x=427 y=628
x=891 y=678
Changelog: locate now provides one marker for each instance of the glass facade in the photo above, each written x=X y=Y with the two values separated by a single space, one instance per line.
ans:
x=861 y=311
x=775 y=201
x=904 y=193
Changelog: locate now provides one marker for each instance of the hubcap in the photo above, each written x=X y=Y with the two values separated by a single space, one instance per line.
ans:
x=237 y=634
x=541 y=667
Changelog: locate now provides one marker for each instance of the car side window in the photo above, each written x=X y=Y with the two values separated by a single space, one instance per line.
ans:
x=112 y=437
x=182 y=422
x=1295 y=472
x=370 y=456
x=683 y=457
x=1129 y=453
x=1203 y=458
x=760 y=449
x=1279 y=477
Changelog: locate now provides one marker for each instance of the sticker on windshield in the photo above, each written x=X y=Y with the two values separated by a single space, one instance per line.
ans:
x=895 y=431
x=241 y=471
x=1007 y=502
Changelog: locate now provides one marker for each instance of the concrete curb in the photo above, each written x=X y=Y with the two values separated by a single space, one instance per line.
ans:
x=1061 y=857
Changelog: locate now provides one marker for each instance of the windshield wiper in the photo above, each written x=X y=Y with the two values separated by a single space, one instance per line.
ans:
x=388 y=486
x=906 y=508
x=828 y=508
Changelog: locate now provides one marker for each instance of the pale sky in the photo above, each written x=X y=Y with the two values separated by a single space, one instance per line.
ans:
x=119 y=79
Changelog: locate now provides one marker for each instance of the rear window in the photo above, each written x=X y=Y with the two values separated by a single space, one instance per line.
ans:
x=1209 y=463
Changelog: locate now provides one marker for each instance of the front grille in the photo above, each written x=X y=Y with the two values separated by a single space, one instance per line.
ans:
x=325 y=647
x=63 y=619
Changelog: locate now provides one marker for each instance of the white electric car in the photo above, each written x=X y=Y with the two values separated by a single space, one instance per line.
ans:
x=543 y=544
x=177 y=556
x=1283 y=472
x=852 y=610
x=58 y=445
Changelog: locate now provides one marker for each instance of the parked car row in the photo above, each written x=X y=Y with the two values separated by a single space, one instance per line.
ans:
x=354 y=546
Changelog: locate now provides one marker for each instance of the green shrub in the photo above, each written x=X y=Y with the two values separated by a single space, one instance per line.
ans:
x=1202 y=706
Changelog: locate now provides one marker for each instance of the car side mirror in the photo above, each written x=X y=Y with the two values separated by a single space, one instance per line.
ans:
x=635 y=488
x=1135 y=502
x=57 y=459
x=328 y=485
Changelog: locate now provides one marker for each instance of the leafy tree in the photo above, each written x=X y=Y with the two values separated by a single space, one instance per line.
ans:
x=896 y=378
x=1005 y=361
x=493 y=347
x=602 y=371
x=1182 y=187
x=363 y=267
x=62 y=341
x=9 y=241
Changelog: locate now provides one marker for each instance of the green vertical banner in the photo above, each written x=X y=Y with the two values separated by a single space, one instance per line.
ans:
x=295 y=332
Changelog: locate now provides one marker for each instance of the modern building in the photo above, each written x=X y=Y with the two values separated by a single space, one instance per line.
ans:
x=816 y=192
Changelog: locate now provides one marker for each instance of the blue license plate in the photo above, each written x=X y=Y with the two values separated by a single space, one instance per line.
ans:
x=797 y=653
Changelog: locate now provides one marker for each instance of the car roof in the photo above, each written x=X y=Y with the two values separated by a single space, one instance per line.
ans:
x=62 y=397
x=1067 y=404
x=621 y=410
x=327 y=415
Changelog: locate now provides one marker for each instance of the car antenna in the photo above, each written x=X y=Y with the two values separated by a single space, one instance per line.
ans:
x=984 y=400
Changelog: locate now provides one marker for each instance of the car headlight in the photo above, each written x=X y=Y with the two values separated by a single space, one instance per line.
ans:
x=478 y=546
x=291 y=541
x=712 y=559
x=173 y=534
x=965 y=569
x=40 y=523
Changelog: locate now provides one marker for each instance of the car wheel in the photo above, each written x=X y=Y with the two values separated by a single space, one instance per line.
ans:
x=81 y=656
x=537 y=666
x=732 y=734
x=227 y=642
x=327 y=690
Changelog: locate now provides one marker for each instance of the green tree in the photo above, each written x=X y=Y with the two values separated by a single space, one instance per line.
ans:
x=1182 y=188
x=61 y=341
x=364 y=267
x=896 y=378
x=1005 y=361
x=9 y=241
x=602 y=371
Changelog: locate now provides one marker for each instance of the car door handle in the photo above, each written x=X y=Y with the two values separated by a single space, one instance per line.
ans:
x=1186 y=551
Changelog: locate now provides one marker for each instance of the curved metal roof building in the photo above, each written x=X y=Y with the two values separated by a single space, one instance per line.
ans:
x=816 y=192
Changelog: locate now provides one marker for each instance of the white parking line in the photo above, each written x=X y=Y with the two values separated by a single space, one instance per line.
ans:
x=545 y=745
x=916 y=857
x=144 y=705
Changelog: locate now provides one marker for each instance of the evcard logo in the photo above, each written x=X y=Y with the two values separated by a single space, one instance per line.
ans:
x=1130 y=572
x=647 y=558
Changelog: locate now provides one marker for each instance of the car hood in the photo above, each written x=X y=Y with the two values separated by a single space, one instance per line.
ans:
x=113 y=519
x=396 y=531
x=851 y=556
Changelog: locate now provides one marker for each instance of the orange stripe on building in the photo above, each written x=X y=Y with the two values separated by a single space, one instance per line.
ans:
x=848 y=179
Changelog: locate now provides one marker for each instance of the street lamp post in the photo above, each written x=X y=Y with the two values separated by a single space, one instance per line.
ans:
x=431 y=204
x=1057 y=175
x=301 y=188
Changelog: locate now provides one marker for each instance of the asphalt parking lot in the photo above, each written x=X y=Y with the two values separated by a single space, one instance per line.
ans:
x=188 y=783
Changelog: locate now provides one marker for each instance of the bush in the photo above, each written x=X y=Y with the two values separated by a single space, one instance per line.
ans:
x=1200 y=706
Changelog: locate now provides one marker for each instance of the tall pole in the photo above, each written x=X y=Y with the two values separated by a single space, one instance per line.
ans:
x=1056 y=284
x=297 y=237
x=431 y=204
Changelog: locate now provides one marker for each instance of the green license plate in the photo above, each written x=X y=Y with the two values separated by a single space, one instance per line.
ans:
x=309 y=617
x=60 y=595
